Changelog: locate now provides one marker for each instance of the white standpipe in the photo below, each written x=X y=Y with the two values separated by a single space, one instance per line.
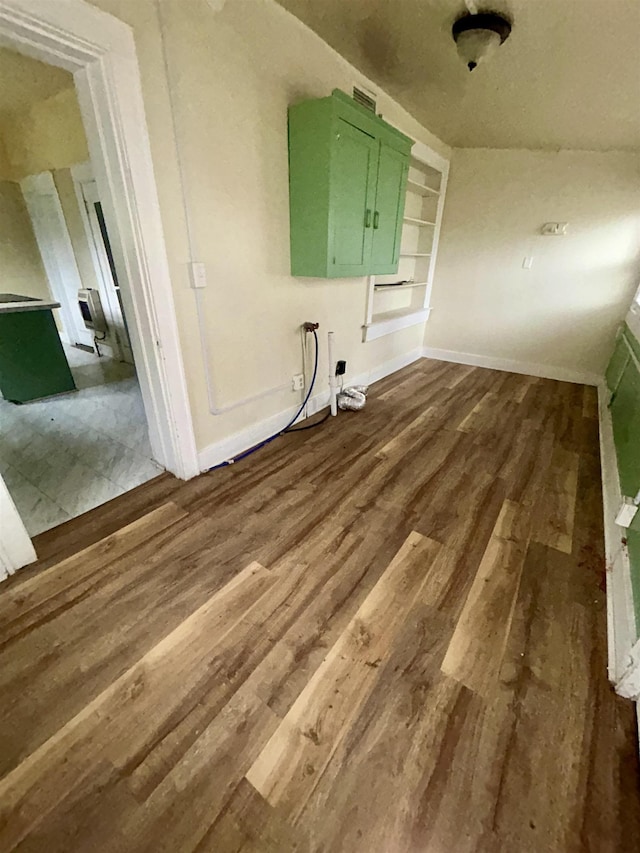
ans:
x=333 y=382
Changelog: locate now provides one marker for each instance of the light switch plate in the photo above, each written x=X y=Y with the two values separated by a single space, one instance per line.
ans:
x=198 y=274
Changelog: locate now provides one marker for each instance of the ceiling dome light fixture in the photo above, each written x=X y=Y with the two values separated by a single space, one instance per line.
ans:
x=476 y=36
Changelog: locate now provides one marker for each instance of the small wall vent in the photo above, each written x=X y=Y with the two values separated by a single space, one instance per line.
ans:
x=364 y=98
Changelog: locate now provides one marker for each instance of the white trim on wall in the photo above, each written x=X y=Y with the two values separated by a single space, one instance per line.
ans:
x=16 y=549
x=99 y=50
x=220 y=451
x=544 y=371
x=622 y=631
x=381 y=327
x=621 y=623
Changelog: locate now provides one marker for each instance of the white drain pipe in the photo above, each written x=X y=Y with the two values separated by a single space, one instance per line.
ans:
x=333 y=381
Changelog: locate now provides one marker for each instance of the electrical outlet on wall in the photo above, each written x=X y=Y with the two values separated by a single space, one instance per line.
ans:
x=297 y=382
x=555 y=229
x=198 y=274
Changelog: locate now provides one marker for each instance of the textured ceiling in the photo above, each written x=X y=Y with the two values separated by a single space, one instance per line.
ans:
x=26 y=81
x=568 y=76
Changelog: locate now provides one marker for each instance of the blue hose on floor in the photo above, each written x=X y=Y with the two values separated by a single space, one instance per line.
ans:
x=290 y=424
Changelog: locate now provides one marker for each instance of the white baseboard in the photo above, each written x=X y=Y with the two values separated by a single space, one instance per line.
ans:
x=544 y=371
x=231 y=446
x=227 y=448
x=622 y=635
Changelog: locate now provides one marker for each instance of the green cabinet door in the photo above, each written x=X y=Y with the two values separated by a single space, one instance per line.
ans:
x=389 y=210
x=353 y=181
x=625 y=414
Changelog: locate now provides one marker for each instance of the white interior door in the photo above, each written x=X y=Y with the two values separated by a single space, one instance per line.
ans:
x=50 y=229
x=105 y=266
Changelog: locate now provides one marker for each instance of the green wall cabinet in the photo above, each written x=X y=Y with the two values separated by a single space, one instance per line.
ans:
x=623 y=379
x=347 y=184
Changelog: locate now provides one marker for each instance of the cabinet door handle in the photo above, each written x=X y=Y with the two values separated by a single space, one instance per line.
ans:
x=376 y=219
x=367 y=218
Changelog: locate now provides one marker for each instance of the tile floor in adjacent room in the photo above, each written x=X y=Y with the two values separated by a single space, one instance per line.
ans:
x=65 y=455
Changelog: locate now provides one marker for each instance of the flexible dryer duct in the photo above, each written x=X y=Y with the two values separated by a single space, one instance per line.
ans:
x=353 y=399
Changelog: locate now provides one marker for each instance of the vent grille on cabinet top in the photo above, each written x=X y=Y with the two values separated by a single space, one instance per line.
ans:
x=364 y=99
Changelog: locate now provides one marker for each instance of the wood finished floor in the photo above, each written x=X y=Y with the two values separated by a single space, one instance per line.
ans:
x=384 y=635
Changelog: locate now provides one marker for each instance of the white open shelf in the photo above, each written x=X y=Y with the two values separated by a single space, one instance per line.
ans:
x=392 y=321
x=421 y=189
x=419 y=222
x=406 y=286
x=392 y=306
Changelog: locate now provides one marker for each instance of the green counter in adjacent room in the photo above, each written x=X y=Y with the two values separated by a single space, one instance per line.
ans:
x=32 y=359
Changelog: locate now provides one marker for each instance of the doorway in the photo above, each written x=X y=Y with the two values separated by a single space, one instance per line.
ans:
x=99 y=51
x=74 y=436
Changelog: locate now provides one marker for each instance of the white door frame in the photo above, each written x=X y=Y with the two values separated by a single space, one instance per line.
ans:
x=100 y=52
x=16 y=549
x=54 y=243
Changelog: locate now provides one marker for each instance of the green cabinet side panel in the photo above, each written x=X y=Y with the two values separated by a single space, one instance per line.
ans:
x=353 y=175
x=633 y=342
x=617 y=365
x=32 y=360
x=309 y=161
x=633 y=545
x=391 y=190
x=334 y=150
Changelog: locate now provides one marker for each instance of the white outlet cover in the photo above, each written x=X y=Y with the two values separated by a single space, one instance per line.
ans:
x=555 y=229
x=626 y=513
x=198 y=274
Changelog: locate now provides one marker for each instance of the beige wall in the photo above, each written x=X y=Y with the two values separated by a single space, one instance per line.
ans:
x=565 y=310
x=5 y=165
x=20 y=263
x=233 y=74
x=48 y=135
